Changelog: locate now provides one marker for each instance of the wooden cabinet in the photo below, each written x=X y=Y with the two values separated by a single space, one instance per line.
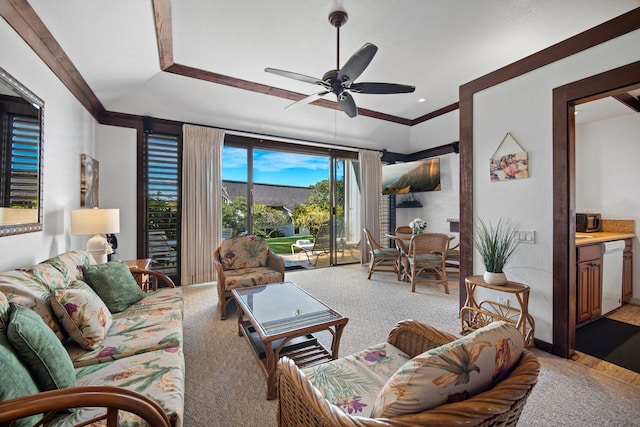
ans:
x=627 y=271
x=589 y=286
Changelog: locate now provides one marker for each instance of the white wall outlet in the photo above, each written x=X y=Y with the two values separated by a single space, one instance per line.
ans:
x=525 y=236
x=503 y=300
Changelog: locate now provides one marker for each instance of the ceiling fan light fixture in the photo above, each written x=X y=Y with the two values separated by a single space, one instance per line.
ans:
x=341 y=81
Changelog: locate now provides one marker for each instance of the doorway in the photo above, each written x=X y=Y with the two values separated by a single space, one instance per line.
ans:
x=565 y=99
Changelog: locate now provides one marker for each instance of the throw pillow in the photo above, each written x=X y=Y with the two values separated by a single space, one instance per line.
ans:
x=82 y=314
x=37 y=346
x=114 y=283
x=243 y=252
x=452 y=372
x=16 y=379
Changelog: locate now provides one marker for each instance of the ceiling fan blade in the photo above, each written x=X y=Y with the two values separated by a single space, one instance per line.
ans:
x=381 y=88
x=347 y=104
x=357 y=63
x=296 y=76
x=308 y=99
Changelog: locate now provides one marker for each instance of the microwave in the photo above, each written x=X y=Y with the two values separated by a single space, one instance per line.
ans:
x=588 y=222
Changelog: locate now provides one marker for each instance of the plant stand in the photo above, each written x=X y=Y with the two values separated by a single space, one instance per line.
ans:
x=475 y=315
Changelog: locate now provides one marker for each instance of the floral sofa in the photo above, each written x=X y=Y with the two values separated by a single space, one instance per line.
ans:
x=419 y=377
x=244 y=261
x=68 y=323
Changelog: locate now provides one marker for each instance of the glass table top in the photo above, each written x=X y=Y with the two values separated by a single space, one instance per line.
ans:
x=283 y=307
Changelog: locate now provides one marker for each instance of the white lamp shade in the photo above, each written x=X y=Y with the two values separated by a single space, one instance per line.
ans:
x=95 y=221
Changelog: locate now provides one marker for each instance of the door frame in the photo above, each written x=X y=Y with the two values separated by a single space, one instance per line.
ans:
x=565 y=98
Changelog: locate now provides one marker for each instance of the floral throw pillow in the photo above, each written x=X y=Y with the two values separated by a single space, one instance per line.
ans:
x=82 y=314
x=244 y=252
x=452 y=372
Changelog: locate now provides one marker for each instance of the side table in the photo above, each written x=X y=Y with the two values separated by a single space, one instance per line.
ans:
x=140 y=264
x=474 y=314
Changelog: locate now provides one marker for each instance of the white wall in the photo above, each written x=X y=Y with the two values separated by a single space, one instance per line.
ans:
x=68 y=132
x=437 y=206
x=607 y=174
x=116 y=148
x=523 y=106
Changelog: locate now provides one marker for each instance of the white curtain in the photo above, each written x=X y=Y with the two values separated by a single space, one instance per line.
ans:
x=370 y=185
x=201 y=199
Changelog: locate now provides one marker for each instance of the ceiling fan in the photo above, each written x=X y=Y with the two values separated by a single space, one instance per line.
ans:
x=341 y=81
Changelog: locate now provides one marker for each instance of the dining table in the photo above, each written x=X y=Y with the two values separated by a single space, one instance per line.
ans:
x=402 y=241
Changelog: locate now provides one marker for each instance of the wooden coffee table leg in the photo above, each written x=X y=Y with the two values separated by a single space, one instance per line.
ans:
x=240 y=313
x=335 y=343
x=272 y=357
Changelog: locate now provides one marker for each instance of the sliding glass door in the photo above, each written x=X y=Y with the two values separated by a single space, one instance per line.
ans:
x=286 y=193
x=346 y=210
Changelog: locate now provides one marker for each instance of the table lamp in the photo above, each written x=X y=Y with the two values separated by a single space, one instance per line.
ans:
x=97 y=222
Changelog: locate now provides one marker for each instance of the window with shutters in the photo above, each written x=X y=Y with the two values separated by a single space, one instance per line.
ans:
x=162 y=211
x=21 y=188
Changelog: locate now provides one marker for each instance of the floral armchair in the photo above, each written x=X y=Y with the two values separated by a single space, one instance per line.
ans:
x=419 y=377
x=244 y=261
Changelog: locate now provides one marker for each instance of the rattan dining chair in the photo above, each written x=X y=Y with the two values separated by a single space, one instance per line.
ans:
x=403 y=235
x=427 y=259
x=382 y=259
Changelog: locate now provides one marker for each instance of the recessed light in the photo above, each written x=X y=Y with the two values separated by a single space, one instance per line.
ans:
x=421 y=100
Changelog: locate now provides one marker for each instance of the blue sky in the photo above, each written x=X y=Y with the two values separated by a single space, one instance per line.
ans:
x=272 y=167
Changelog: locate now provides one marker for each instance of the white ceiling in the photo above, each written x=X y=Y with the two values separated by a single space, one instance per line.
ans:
x=435 y=45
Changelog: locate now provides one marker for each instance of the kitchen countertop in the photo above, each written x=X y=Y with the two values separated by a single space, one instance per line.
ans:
x=583 y=239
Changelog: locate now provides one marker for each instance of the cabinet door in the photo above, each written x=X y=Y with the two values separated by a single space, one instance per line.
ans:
x=583 y=311
x=595 y=287
x=627 y=276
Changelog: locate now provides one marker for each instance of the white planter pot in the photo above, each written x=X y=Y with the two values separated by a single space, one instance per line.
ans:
x=495 y=278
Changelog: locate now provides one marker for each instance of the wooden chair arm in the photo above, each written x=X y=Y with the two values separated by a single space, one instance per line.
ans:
x=155 y=277
x=414 y=338
x=114 y=399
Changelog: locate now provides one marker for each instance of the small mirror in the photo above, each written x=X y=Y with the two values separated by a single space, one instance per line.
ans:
x=21 y=124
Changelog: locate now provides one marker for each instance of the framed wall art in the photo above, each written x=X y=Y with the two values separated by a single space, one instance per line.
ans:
x=89 y=181
x=509 y=161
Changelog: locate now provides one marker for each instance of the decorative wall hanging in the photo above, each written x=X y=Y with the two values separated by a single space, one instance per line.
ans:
x=89 y=182
x=512 y=165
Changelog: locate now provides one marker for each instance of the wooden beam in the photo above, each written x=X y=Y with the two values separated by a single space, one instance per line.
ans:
x=164 y=32
x=432 y=115
x=629 y=100
x=24 y=20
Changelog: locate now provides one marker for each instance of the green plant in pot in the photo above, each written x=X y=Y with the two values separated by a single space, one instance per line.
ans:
x=496 y=245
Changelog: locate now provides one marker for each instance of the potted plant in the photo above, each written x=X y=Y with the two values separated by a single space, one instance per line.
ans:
x=496 y=245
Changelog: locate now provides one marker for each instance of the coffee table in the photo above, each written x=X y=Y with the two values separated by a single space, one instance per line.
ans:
x=280 y=321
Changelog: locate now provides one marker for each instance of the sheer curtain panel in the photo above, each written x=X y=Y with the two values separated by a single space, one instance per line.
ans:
x=371 y=171
x=201 y=199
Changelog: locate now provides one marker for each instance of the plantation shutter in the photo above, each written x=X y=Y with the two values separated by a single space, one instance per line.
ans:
x=23 y=170
x=163 y=202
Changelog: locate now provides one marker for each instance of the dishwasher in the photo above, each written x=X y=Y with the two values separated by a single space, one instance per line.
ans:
x=612 y=275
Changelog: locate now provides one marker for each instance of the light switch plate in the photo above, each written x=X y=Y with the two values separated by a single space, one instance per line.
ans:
x=526 y=236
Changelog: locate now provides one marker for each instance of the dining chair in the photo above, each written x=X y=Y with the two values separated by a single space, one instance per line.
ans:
x=427 y=256
x=382 y=259
x=402 y=238
x=453 y=257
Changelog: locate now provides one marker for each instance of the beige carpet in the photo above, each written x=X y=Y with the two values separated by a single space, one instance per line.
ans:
x=226 y=387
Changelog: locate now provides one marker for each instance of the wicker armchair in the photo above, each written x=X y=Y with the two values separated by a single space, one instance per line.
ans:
x=301 y=404
x=244 y=261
